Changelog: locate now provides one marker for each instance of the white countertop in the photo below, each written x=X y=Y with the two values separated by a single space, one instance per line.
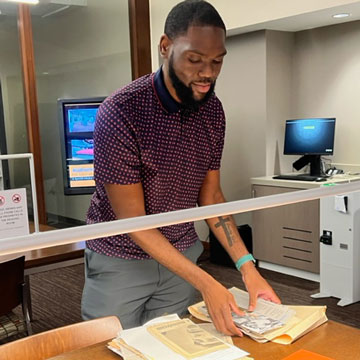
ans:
x=295 y=184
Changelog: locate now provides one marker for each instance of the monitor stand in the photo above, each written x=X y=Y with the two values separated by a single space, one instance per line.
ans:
x=315 y=164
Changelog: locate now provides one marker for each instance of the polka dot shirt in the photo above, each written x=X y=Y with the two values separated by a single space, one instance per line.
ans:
x=142 y=135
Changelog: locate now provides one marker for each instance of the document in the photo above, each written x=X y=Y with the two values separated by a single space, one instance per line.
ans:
x=169 y=337
x=187 y=338
x=210 y=328
x=267 y=316
x=278 y=323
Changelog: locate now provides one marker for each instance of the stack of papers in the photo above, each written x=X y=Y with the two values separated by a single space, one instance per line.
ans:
x=269 y=321
x=170 y=337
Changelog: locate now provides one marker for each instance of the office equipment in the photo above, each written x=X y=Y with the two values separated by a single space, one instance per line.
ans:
x=77 y=120
x=293 y=242
x=340 y=248
x=300 y=177
x=310 y=138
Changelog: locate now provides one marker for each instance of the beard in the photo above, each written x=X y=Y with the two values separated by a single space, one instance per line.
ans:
x=185 y=93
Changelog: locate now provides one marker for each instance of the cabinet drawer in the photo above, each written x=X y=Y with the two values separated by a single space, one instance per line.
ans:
x=287 y=235
x=300 y=259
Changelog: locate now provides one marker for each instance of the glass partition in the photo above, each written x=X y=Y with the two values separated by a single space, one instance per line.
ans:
x=81 y=51
x=13 y=133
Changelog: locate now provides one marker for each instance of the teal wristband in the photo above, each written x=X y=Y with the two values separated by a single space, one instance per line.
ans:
x=243 y=260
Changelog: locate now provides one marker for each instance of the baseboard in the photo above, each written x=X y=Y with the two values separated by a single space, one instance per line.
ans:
x=290 y=271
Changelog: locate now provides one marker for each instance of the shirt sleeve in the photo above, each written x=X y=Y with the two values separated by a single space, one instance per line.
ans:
x=219 y=138
x=116 y=150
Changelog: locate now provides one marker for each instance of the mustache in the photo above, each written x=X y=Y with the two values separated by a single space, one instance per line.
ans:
x=204 y=81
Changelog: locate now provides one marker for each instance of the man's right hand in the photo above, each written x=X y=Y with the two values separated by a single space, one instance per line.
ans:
x=220 y=304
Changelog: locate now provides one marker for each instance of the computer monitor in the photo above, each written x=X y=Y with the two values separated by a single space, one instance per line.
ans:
x=311 y=138
x=77 y=120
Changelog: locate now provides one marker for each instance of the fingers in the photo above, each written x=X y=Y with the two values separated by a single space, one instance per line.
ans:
x=224 y=323
x=271 y=297
x=236 y=309
x=252 y=300
x=220 y=305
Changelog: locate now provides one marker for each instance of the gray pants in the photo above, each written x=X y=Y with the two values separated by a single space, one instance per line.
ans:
x=134 y=290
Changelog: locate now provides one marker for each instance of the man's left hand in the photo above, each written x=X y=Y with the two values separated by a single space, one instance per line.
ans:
x=257 y=286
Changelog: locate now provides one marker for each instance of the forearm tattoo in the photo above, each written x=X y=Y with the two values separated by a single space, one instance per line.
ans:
x=225 y=224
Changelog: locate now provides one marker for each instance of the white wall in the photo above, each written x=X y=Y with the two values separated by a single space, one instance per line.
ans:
x=326 y=82
x=279 y=59
x=241 y=87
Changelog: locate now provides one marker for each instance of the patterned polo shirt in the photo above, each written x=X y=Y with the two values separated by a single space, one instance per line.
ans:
x=143 y=135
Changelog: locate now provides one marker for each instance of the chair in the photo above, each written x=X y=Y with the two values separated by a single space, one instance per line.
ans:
x=58 y=341
x=13 y=292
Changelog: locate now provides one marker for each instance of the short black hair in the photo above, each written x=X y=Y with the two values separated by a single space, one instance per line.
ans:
x=191 y=13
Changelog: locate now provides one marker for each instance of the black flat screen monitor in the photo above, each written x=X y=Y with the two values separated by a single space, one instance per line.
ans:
x=77 y=120
x=311 y=138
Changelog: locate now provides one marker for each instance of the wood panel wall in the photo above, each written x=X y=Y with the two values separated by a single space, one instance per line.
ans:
x=31 y=105
x=139 y=20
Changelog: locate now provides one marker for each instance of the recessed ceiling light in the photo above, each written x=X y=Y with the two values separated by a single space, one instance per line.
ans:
x=340 y=16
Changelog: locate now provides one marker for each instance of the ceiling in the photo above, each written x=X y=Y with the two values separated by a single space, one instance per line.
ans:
x=293 y=23
x=45 y=8
x=305 y=21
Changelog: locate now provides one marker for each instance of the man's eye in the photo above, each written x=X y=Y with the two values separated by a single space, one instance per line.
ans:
x=194 y=61
x=219 y=61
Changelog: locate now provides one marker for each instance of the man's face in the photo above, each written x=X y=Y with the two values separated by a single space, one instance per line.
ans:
x=192 y=63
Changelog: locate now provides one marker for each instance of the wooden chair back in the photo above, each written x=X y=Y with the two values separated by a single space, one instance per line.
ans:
x=57 y=341
x=11 y=282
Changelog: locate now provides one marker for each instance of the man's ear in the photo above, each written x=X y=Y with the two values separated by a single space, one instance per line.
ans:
x=164 y=46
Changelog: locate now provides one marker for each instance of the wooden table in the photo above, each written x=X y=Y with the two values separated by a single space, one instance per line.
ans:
x=331 y=339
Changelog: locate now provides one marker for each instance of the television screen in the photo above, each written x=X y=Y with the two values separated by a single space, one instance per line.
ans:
x=81 y=119
x=82 y=149
x=313 y=136
x=77 y=120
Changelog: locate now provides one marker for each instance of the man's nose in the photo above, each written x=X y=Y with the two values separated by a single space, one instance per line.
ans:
x=208 y=71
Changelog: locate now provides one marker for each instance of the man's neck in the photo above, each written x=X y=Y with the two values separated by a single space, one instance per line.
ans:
x=168 y=83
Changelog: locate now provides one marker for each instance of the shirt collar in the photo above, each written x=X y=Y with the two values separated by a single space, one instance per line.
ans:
x=166 y=100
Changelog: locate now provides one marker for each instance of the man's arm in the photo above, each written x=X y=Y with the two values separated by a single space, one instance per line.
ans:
x=224 y=228
x=128 y=201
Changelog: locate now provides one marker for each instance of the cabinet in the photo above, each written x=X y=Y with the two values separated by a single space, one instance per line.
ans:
x=287 y=235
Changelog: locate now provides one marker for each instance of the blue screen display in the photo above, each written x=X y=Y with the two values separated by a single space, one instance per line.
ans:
x=309 y=136
x=81 y=120
x=82 y=149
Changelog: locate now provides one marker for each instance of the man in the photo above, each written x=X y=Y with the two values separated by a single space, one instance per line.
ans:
x=158 y=145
